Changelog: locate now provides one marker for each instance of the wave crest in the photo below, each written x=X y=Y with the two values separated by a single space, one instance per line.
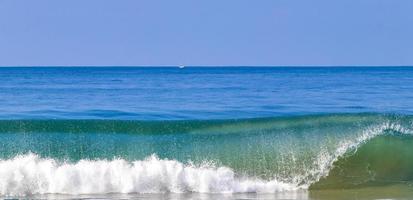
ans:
x=380 y=155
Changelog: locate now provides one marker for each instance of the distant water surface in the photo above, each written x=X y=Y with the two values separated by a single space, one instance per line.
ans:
x=155 y=93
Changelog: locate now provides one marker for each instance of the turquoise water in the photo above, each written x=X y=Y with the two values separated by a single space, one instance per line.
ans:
x=206 y=133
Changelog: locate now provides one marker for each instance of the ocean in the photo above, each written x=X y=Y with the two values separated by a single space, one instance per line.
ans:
x=206 y=132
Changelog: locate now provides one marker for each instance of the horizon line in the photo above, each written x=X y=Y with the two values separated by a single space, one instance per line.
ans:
x=206 y=66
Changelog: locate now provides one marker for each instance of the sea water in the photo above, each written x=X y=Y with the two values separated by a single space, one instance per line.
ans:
x=206 y=133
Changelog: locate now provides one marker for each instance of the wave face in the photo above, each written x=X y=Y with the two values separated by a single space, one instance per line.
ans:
x=264 y=155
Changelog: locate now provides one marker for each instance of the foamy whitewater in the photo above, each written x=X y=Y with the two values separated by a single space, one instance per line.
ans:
x=29 y=174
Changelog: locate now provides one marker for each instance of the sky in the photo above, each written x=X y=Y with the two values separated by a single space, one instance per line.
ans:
x=206 y=32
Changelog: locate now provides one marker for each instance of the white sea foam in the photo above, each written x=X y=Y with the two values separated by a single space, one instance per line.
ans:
x=29 y=174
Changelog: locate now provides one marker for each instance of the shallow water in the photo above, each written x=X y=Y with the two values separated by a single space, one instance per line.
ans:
x=397 y=192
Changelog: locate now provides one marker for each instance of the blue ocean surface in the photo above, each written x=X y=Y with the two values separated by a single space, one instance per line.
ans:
x=206 y=132
x=164 y=93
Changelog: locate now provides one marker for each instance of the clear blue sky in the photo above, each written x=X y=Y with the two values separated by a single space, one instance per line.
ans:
x=207 y=32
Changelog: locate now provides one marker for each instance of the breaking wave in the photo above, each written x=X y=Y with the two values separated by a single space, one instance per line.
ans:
x=233 y=156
